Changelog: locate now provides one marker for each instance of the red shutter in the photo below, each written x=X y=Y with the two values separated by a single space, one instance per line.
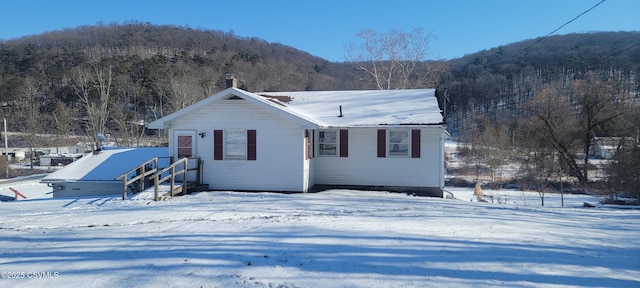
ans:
x=306 y=144
x=218 y=148
x=313 y=144
x=251 y=144
x=382 y=143
x=415 y=143
x=344 y=143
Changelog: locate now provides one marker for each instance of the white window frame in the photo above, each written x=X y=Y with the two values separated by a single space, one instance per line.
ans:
x=239 y=142
x=321 y=143
x=393 y=146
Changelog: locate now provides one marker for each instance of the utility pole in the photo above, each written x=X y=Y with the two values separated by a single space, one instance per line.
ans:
x=561 y=188
x=6 y=147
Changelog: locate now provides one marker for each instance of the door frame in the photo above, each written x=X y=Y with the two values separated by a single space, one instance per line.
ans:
x=178 y=133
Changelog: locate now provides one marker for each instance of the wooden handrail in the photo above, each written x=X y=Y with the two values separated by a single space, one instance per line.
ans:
x=172 y=177
x=144 y=172
x=141 y=173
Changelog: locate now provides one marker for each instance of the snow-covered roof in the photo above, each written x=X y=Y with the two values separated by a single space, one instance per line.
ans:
x=363 y=107
x=323 y=108
x=106 y=165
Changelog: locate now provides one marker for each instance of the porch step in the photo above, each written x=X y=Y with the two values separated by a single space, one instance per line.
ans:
x=165 y=189
x=163 y=192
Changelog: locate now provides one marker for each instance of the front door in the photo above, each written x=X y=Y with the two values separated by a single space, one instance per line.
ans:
x=184 y=145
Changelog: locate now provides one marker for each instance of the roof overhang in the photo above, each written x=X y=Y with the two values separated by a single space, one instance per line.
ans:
x=165 y=122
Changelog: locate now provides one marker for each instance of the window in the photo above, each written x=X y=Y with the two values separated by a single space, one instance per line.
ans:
x=184 y=147
x=328 y=143
x=398 y=143
x=395 y=143
x=234 y=144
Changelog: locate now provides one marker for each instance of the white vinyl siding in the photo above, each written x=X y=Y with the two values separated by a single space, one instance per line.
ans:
x=280 y=149
x=362 y=167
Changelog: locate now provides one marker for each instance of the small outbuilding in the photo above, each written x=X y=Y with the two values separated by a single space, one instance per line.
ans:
x=95 y=173
x=58 y=160
x=606 y=147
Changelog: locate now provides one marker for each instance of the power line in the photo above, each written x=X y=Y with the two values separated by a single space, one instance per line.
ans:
x=620 y=51
x=565 y=24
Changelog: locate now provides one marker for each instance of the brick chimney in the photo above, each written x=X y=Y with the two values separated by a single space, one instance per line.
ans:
x=231 y=81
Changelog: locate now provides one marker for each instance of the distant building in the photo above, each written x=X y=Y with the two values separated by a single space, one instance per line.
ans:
x=606 y=147
x=58 y=160
x=79 y=148
x=16 y=155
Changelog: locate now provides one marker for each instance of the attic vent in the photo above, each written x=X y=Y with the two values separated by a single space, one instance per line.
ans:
x=234 y=97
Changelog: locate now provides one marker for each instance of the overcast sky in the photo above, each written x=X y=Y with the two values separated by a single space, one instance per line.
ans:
x=324 y=28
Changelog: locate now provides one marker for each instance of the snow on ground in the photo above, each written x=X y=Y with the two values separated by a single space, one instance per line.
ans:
x=336 y=238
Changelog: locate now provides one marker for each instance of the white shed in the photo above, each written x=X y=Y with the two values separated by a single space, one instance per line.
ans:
x=95 y=173
x=303 y=141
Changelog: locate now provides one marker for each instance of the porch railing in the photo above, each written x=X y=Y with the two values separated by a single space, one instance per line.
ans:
x=149 y=170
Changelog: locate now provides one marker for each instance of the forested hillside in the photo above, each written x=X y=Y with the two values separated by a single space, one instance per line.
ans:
x=543 y=103
x=164 y=68
x=139 y=72
x=548 y=96
x=509 y=74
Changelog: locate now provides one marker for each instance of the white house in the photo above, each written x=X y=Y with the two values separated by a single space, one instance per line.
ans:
x=606 y=147
x=304 y=141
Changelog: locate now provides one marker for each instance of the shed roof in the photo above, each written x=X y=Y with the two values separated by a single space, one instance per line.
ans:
x=106 y=165
x=165 y=122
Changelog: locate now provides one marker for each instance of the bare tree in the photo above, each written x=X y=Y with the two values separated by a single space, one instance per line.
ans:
x=498 y=149
x=536 y=157
x=96 y=104
x=546 y=139
x=183 y=90
x=623 y=178
x=392 y=59
x=129 y=125
x=63 y=118
x=597 y=107
x=623 y=175
x=554 y=126
x=30 y=116
x=473 y=148
x=63 y=121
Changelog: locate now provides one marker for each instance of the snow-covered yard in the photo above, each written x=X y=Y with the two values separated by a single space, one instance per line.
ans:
x=337 y=238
